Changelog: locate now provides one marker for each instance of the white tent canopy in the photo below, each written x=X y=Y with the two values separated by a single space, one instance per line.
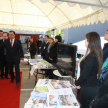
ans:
x=43 y=15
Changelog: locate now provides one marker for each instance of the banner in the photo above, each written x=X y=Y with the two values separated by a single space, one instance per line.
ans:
x=24 y=38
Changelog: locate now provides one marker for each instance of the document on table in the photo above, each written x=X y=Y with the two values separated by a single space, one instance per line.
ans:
x=41 y=88
x=64 y=101
x=33 y=69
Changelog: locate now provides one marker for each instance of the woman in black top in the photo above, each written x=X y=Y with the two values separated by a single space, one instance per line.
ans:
x=90 y=66
x=52 y=56
x=52 y=51
x=32 y=48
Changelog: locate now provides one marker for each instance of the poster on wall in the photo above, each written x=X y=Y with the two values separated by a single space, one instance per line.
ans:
x=24 y=38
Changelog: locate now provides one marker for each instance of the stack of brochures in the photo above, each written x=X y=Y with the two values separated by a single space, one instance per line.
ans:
x=52 y=94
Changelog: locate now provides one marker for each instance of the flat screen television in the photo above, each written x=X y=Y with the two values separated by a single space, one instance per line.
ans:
x=66 y=59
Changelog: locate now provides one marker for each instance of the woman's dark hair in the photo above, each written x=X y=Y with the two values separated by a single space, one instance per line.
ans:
x=34 y=39
x=94 y=46
x=58 y=37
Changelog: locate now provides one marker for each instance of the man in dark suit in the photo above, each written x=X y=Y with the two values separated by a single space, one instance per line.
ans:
x=1 y=34
x=44 y=47
x=3 y=62
x=39 y=45
x=105 y=48
x=14 y=53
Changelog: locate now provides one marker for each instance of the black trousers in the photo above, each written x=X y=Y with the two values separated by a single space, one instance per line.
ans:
x=17 y=70
x=87 y=95
x=4 y=65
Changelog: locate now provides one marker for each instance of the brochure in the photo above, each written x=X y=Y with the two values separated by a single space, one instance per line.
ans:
x=41 y=88
x=61 y=100
x=58 y=84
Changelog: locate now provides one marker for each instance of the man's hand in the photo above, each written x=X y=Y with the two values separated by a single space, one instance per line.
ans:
x=50 y=58
x=78 y=87
x=22 y=58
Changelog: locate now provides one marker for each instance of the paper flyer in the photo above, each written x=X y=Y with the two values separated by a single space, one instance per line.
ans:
x=42 y=88
x=61 y=101
x=57 y=84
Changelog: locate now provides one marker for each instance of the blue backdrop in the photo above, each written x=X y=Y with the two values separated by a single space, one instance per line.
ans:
x=75 y=34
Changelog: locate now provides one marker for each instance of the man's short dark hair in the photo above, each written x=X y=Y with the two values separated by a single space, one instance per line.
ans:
x=12 y=31
x=47 y=36
x=107 y=30
x=58 y=37
x=6 y=32
x=1 y=31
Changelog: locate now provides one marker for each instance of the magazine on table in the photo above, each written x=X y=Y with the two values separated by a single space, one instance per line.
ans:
x=61 y=101
x=60 y=84
x=56 y=84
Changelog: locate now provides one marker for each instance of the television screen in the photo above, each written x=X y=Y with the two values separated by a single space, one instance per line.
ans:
x=66 y=59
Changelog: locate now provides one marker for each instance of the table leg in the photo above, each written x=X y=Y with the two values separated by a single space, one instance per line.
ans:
x=28 y=60
x=36 y=77
x=29 y=72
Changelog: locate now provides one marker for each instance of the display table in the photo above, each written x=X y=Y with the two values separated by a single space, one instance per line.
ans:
x=27 y=55
x=52 y=94
x=39 y=64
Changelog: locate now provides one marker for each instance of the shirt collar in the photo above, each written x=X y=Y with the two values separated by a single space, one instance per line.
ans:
x=12 y=39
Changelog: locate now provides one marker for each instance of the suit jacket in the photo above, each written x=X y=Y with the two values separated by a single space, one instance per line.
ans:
x=44 y=47
x=105 y=52
x=13 y=53
x=1 y=50
x=53 y=53
x=39 y=43
x=88 y=71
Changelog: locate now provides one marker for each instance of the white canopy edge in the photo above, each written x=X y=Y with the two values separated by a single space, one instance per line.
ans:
x=87 y=20
x=33 y=15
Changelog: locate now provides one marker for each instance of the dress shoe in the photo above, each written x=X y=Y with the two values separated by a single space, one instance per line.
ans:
x=2 y=78
x=7 y=77
x=12 y=81
x=17 y=83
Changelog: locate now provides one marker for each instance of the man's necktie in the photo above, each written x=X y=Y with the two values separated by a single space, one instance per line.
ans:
x=11 y=42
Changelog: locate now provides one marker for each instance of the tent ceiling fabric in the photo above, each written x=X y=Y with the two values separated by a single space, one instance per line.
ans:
x=43 y=15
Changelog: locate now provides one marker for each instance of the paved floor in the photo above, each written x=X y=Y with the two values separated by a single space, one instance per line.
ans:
x=27 y=84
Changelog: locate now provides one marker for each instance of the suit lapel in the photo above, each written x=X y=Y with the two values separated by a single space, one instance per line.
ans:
x=15 y=41
x=9 y=43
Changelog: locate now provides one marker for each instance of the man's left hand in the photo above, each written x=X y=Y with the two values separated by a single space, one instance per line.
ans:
x=22 y=58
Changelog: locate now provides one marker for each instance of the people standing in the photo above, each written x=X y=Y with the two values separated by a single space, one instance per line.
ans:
x=52 y=51
x=32 y=48
x=44 y=47
x=1 y=34
x=14 y=53
x=28 y=41
x=105 y=48
x=90 y=66
x=39 y=45
x=3 y=62
x=52 y=56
